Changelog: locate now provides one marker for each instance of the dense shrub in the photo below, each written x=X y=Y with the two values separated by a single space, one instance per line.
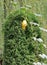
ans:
x=19 y=46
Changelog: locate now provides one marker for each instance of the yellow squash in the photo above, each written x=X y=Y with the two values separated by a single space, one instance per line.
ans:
x=24 y=24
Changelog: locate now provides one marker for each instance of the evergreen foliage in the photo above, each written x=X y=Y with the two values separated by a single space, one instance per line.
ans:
x=19 y=46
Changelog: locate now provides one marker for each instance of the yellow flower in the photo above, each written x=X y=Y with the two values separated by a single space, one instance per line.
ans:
x=24 y=24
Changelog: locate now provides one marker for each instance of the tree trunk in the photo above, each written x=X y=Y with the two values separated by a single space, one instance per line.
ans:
x=20 y=3
x=10 y=5
x=4 y=9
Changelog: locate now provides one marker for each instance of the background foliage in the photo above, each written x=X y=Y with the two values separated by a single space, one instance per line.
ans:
x=19 y=47
x=37 y=6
